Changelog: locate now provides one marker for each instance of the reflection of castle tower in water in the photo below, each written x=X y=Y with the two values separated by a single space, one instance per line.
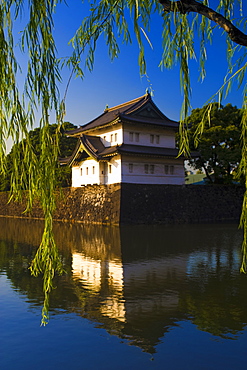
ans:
x=131 y=279
x=102 y=277
x=138 y=277
x=138 y=282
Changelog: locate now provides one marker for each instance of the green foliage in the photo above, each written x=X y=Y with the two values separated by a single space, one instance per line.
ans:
x=185 y=37
x=66 y=147
x=220 y=143
x=48 y=262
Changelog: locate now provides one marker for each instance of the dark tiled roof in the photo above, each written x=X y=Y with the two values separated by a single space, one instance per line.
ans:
x=153 y=121
x=148 y=150
x=133 y=111
x=64 y=161
x=92 y=144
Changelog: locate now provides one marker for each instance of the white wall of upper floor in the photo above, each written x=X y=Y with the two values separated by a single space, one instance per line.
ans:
x=149 y=136
x=110 y=136
x=136 y=135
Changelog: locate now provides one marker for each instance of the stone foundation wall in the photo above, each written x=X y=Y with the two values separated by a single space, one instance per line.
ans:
x=160 y=204
x=139 y=204
x=88 y=204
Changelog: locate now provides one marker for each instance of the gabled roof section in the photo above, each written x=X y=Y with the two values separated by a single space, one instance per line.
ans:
x=92 y=145
x=140 y=111
x=74 y=156
x=87 y=146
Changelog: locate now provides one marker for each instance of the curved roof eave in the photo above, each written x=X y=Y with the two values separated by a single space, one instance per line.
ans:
x=71 y=159
x=87 y=128
x=130 y=110
x=89 y=148
x=154 y=122
x=81 y=146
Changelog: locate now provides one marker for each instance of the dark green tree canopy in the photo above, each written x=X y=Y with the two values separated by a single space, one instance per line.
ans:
x=66 y=146
x=220 y=144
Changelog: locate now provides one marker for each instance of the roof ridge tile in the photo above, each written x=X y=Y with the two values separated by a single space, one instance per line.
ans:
x=130 y=102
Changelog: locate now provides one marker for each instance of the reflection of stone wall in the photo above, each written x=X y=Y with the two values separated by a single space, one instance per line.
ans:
x=148 y=204
x=21 y=230
x=99 y=242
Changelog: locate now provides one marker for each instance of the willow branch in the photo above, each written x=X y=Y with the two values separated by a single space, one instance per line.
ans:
x=187 y=6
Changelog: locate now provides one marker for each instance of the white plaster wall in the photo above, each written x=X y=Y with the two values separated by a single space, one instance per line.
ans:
x=86 y=177
x=104 y=172
x=113 y=137
x=166 y=137
x=114 y=176
x=76 y=180
x=159 y=175
x=109 y=136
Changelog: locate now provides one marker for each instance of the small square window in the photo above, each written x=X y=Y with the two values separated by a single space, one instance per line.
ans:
x=93 y=170
x=111 y=138
x=131 y=136
x=151 y=139
x=171 y=170
x=86 y=170
x=81 y=171
x=137 y=137
x=151 y=168
x=146 y=168
x=130 y=167
x=157 y=139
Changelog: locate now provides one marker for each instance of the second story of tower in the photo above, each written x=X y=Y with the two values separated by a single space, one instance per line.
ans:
x=136 y=122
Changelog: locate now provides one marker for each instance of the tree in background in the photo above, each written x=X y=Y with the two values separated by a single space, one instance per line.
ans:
x=66 y=147
x=220 y=144
x=188 y=28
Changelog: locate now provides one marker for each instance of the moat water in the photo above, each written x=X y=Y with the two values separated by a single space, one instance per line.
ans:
x=136 y=297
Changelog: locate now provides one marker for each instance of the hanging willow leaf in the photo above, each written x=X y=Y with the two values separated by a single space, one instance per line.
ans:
x=188 y=28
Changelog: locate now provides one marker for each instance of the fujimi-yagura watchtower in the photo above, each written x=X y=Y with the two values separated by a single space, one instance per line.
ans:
x=131 y=143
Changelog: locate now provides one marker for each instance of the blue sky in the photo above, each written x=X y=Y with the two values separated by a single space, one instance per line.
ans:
x=112 y=83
